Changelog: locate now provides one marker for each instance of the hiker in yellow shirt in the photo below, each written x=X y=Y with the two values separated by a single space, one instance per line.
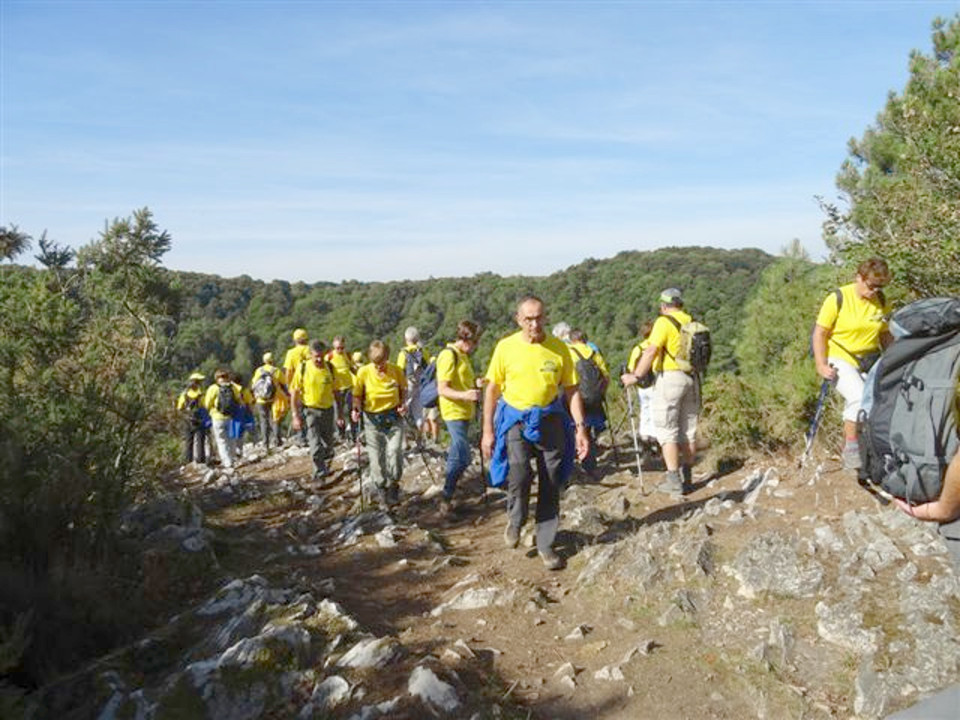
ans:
x=224 y=400
x=594 y=411
x=343 y=368
x=268 y=384
x=851 y=331
x=196 y=420
x=647 y=429
x=458 y=397
x=676 y=400
x=379 y=393
x=312 y=397
x=291 y=361
x=525 y=419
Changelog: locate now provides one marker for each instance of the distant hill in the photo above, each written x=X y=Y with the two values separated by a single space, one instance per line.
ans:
x=232 y=321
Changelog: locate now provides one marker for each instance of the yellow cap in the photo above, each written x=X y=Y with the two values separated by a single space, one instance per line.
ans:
x=268 y=357
x=300 y=334
x=198 y=376
x=357 y=356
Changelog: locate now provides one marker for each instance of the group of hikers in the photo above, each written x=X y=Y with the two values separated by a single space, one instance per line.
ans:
x=541 y=402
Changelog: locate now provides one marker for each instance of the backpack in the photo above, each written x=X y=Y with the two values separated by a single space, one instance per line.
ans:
x=264 y=388
x=429 y=389
x=908 y=418
x=413 y=367
x=695 y=346
x=226 y=401
x=593 y=385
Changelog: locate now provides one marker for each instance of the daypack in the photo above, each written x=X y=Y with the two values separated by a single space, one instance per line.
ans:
x=429 y=390
x=413 y=367
x=226 y=401
x=593 y=385
x=908 y=417
x=264 y=388
x=695 y=346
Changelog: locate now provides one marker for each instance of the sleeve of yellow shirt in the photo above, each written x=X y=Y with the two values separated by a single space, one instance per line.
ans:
x=827 y=317
x=446 y=366
x=602 y=364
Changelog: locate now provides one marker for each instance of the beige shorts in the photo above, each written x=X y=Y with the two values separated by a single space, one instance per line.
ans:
x=676 y=404
x=431 y=413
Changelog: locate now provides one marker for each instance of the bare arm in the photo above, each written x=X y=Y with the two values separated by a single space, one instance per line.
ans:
x=575 y=401
x=946 y=508
x=447 y=391
x=490 y=398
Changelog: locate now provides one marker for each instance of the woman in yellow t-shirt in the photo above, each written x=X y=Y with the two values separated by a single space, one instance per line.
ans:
x=379 y=391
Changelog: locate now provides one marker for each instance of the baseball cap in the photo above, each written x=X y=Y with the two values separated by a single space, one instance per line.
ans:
x=268 y=357
x=671 y=296
x=300 y=334
x=197 y=376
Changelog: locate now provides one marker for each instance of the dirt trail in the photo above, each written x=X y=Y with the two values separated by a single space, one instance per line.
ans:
x=520 y=645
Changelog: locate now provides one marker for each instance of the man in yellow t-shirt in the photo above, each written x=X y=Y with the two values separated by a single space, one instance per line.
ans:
x=457 y=388
x=526 y=372
x=190 y=404
x=343 y=368
x=412 y=359
x=291 y=361
x=851 y=329
x=267 y=382
x=379 y=392
x=676 y=399
x=312 y=393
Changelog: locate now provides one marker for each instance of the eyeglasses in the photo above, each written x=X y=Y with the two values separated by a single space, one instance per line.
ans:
x=874 y=286
x=532 y=320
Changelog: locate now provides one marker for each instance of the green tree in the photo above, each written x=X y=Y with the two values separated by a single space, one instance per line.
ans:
x=901 y=181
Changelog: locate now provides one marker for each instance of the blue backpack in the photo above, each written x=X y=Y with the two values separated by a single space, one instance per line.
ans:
x=429 y=390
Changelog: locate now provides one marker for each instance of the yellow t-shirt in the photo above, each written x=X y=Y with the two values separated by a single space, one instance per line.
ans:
x=314 y=384
x=402 y=356
x=380 y=392
x=189 y=395
x=637 y=352
x=665 y=335
x=295 y=355
x=342 y=369
x=210 y=400
x=858 y=325
x=530 y=374
x=278 y=381
x=460 y=376
x=588 y=353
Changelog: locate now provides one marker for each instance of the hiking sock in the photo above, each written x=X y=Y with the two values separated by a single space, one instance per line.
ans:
x=851 y=455
x=672 y=484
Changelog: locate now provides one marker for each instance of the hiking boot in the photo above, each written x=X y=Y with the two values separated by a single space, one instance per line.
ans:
x=851 y=456
x=551 y=561
x=672 y=484
x=686 y=477
x=393 y=495
x=511 y=536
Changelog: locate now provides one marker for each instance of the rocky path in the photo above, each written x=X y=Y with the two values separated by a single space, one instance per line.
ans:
x=764 y=593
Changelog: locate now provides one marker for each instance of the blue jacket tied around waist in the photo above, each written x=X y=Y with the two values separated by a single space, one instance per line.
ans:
x=506 y=416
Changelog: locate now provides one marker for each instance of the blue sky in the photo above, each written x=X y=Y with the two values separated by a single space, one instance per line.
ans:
x=388 y=140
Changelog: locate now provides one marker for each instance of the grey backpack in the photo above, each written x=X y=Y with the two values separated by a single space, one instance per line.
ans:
x=908 y=418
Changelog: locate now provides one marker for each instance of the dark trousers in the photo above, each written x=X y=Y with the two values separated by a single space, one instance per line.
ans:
x=548 y=457
x=319 y=436
x=195 y=439
x=268 y=426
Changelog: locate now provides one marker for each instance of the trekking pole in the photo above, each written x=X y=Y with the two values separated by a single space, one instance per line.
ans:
x=356 y=442
x=633 y=431
x=418 y=441
x=613 y=437
x=483 y=472
x=815 y=423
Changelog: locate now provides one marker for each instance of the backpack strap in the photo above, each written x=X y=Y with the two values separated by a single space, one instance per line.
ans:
x=678 y=326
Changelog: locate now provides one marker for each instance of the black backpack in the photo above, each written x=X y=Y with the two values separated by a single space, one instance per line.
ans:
x=593 y=385
x=908 y=421
x=226 y=401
